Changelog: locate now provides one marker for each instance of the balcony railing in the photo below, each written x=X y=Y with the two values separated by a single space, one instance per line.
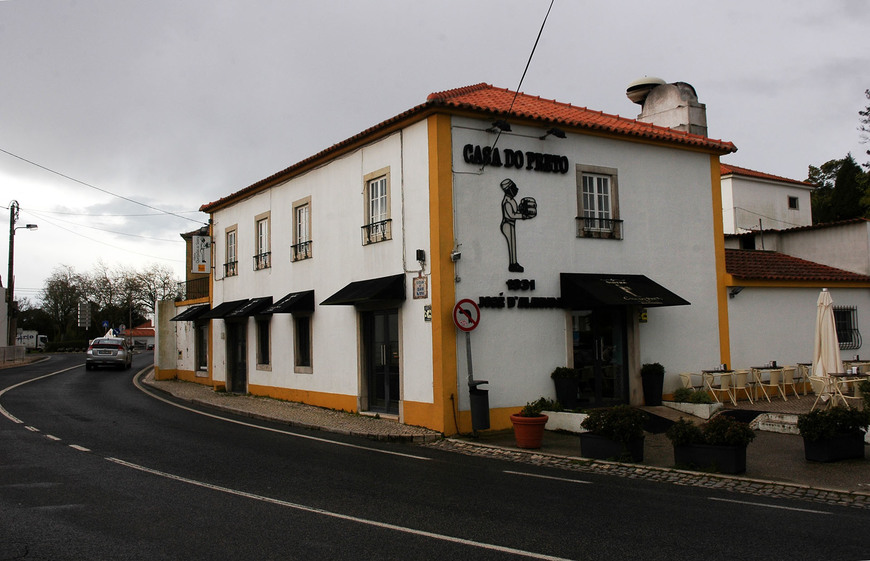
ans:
x=231 y=268
x=376 y=232
x=193 y=289
x=262 y=261
x=591 y=227
x=300 y=251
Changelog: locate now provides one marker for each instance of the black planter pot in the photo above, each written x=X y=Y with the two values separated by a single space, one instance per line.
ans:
x=842 y=447
x=567 y=390
x=601 y=448
x=652 y=388
x=723 y=459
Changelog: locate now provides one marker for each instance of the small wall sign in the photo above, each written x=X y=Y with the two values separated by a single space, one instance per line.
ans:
x=421 y=288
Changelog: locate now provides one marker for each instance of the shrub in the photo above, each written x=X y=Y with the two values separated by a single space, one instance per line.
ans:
x=622 y=423
x=534 y=408
x=688 y=395
x=823 y=424
x=565 y=372
x=652 y=369
x=682 y=395
x=721 y=430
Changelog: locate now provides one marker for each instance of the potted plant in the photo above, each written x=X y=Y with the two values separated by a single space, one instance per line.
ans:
x=835 y=433
x=717 y=445
x=653 y=376
x=529 y=424
x=614 y=433
x=567 y=381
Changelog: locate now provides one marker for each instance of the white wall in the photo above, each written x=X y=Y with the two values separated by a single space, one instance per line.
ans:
x=779 y=324
x=337 y=214
x=747 y=200
x=665 y=200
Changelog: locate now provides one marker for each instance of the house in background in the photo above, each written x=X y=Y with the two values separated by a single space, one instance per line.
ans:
x=141 y=336
x=757 y=201
x=336 y=281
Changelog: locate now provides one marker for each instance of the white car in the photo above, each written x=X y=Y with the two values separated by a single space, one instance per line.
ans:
x=109 y=351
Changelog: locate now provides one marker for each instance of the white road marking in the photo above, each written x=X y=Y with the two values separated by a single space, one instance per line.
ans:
x=750 y=503
x=79 y=448
x=32 y=429
x=279 y=431
x=356 y=519
x=12 y=417
x=52 y=437
x=565 y=479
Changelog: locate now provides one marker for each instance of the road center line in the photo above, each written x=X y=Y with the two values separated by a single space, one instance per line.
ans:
x=339 y=516
x=565 y=479
x=138 y=384
x=750 y=503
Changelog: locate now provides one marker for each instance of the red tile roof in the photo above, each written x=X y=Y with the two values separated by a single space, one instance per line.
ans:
x=771 y=265
x=491 y=102
x=726 y=169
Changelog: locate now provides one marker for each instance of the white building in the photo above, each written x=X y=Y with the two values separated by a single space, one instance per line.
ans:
x=757 y=201
x=583 y=239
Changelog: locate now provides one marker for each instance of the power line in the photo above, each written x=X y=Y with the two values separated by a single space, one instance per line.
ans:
x=39 y=214
x=40 y=166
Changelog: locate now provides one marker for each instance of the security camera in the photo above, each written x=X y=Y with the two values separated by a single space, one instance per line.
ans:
x=455 y=255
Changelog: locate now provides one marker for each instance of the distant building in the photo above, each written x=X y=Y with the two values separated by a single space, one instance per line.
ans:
x=757 y=201
x=142 y=336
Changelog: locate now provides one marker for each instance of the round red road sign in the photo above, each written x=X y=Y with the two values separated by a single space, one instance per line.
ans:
x=466 y=315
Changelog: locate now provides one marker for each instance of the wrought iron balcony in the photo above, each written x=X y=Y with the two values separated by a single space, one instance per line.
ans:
x=231 y=268
x=300 y=251
x=193 y=289
x=262 y=260
x=377 y=232
x=591 y=227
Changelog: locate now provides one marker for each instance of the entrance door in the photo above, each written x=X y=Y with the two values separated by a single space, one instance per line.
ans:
x=381 y=353
x=237 y=357
x=600 y=355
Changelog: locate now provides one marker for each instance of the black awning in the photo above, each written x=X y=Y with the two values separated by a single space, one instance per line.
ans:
x=293 y=302
x=221 y=310
x=383 y=289
x=592 y=290
x=191 y=313
x=252 y=307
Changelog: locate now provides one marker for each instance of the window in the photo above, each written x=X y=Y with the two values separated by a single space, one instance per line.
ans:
x=301 y=248
x=597 y=203
x=263 y=341
x=231 y=264
x=377 y=210
x=302 y=328
x=262 y=255
x=793 y=203
x=846 y=320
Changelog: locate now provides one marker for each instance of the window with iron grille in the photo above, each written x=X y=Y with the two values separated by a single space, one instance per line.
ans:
x=301 y=248
x=597 y=203
x=262 y=254
x=377 y=207
x=231 y=263
x=846 y=320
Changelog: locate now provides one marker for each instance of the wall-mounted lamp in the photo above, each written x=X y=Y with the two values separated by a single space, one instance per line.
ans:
x=421 y=256
x=735 y=291
x=499 y=126
x=557 y=132
x=455 y=255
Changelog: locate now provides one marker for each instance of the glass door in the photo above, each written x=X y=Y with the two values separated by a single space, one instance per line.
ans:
x=599 y=340
x=237 y=356
x=381 y=349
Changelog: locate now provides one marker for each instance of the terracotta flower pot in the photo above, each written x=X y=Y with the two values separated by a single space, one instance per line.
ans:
x=529 y=431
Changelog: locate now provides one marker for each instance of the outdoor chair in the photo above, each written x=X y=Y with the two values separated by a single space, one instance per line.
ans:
x=741 y=382
x=686 y=378
x=773 y=382
x=724 y=386
x=802 y=374
x=788 y=375
x=757 y=383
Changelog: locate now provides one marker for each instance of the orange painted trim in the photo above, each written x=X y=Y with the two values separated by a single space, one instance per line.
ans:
x=190 y=376
x=164 y=373
x=731 y=280
x=339 y=402
x=203 y=300
x=442 y=274
x=719 y=250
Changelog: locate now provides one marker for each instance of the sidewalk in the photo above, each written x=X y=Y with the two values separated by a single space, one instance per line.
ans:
x=775 y=461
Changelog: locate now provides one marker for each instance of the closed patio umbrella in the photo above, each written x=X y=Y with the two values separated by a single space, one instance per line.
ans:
x=826 y=354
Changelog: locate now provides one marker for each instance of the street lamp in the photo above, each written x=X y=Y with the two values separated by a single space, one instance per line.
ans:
x=11 y=310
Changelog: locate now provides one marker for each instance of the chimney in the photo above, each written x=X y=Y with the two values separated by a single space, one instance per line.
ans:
x=674 y=106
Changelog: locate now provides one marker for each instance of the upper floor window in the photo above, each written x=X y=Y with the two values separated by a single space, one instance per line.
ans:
x=262 y=254
x=377 y=209
x=597 y=203
x=231 y=263
x=301 y=248
x=793 y=203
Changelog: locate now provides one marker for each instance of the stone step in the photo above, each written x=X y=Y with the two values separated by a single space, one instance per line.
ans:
x=783 y=423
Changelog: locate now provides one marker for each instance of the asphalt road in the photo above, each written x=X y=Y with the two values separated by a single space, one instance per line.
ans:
x=92 y=467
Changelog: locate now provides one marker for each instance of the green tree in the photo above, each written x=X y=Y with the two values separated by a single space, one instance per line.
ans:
x=841 y=190
x=60 y=298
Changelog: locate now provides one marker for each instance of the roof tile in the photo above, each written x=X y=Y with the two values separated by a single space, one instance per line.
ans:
x=772 y=265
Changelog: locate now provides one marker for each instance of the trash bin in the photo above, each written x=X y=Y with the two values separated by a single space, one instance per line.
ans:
x=479 y=405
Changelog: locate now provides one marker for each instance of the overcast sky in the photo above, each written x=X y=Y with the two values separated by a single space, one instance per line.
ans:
x=175 y=103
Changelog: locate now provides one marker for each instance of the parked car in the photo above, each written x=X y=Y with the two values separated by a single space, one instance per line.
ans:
x=109 y=351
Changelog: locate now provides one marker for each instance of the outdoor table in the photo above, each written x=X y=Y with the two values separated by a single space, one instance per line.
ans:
x=834 y=385
x=709 y=375
x=756 y=371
